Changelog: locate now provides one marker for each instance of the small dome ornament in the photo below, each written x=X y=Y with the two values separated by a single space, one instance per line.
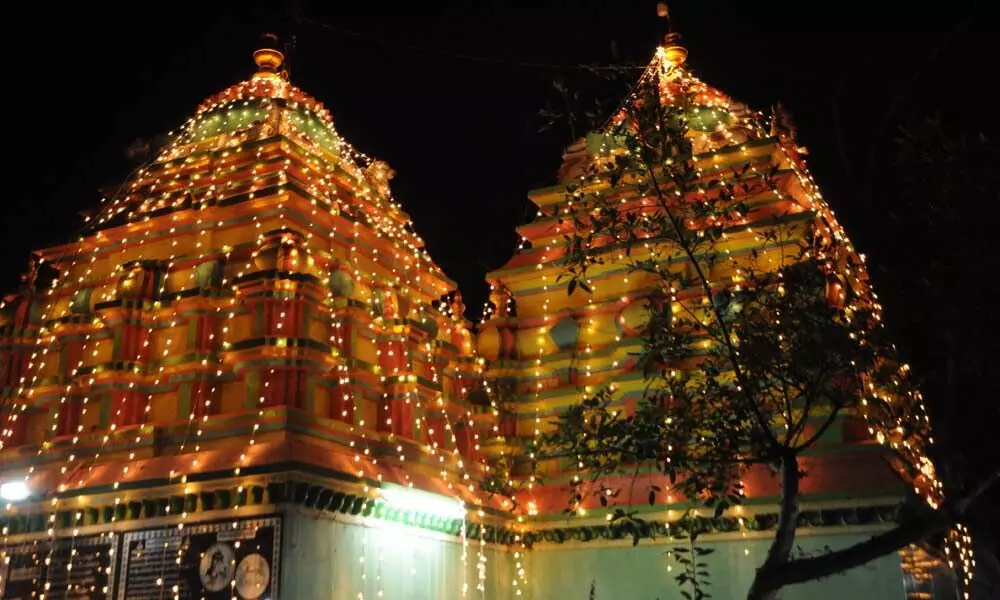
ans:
x=674 y=52
x=268 y=59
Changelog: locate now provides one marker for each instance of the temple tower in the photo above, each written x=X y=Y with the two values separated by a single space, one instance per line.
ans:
x=548 y=349
x=247 y=332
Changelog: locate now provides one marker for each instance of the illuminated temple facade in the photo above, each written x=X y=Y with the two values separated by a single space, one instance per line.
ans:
x=248 y=379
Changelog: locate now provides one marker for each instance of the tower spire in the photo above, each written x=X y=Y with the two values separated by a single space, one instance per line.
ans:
x=675 y=53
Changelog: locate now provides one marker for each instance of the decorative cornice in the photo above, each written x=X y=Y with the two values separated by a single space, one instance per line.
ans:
x=683 y=527
x=317 y=497
x=291 y=492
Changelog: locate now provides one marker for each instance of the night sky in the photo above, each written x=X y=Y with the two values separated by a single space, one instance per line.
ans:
x=449 y=96
x=461 y=133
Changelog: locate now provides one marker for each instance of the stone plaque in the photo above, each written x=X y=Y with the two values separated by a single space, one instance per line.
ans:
x=210 y=561
x=78 y=568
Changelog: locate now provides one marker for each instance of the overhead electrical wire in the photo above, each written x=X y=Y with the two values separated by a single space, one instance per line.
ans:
x=472 y=57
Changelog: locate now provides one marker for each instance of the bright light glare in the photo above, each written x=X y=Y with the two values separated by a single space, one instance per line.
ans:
x=419 y=501
x=13 y=491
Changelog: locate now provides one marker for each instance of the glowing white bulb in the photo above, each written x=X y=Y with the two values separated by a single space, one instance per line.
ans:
x=13 y=491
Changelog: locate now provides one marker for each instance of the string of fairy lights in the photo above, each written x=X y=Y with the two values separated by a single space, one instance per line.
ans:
x=57 y=427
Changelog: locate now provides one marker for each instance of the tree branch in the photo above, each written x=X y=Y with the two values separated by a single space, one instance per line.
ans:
x=707 y=287
x=831 y=418
x=773 y=577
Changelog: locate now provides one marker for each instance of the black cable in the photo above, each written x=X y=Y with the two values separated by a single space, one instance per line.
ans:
x=471 y=57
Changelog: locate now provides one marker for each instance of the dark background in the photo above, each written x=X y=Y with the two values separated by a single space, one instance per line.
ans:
x=449 y=94
x=462 y=134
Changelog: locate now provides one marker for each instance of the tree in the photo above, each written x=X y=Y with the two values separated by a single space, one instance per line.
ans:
x=762 y=332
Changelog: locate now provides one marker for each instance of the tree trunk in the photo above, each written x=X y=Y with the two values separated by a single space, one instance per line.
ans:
x=784 y=537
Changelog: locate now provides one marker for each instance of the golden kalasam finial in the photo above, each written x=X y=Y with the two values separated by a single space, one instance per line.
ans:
x=268 y=59
x=676 y=53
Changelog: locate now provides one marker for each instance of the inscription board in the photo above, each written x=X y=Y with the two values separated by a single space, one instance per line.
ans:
x=210 y=561
x=30 y=567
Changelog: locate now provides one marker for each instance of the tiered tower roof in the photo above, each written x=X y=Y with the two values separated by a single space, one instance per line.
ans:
x=347 y=180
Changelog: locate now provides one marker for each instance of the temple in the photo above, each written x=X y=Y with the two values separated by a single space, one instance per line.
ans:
x=247 y=379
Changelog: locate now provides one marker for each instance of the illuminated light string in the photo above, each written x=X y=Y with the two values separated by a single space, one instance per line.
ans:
x=112 y=426
x=161 y=294
x=26 y=391
x=961 y=542
x=380 y=592
x=403 y=378
x=484 y=468
x=460 y=463
x=200 y=390
x=199 y=232
x=244 y=455
x=260 y=240
x=433 y=449
x=76 y=514
x=363 y=556
x=360 y=429
x=207 y=400
x=495 y=407
x=519 y=581
x=106 y=437
x=217 y=341
x=481 y=560
x=55 y=418
x=225 y=323
x=344 y=381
